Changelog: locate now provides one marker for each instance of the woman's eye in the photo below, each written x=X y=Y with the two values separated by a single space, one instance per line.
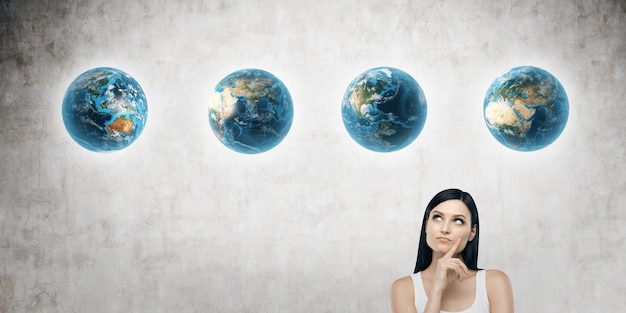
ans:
x=436 y=218
x=459 y=221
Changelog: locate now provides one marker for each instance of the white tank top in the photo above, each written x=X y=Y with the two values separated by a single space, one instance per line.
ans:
x=481 y=301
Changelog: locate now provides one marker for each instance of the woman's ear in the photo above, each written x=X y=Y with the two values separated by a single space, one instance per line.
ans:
x=473 y=233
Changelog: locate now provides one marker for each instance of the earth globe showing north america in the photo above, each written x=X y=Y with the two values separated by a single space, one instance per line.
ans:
x=526 y=108
x=250 y=111
x=384 y=109
x=104 y=109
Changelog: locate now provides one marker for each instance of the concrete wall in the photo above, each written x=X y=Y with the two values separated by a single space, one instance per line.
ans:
x=179 y=223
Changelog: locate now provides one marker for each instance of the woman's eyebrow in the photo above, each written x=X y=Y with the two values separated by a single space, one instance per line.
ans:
x=457 y=215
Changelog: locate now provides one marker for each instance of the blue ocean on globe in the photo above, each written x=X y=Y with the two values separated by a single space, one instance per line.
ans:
x=526 y=109
x=384 y=109
x=250 y=111
x=104 y=109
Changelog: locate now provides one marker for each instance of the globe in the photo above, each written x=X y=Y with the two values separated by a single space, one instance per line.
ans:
x=250 y=111
x=526 y=109
x=104 y=109
x=384 y=109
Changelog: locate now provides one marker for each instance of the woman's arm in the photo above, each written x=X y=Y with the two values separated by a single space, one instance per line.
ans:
x=448 y=269
x=499 y=292
x=403 y=296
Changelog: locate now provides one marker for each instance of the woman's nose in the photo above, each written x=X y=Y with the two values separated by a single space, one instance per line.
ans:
x=445 y=228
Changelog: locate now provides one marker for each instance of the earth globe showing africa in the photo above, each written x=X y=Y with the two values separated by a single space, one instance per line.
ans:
x=104 y=109
x=526 y=109
x=250 y=111
x=384 y=109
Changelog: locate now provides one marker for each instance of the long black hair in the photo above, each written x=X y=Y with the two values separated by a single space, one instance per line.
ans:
x=470 y=253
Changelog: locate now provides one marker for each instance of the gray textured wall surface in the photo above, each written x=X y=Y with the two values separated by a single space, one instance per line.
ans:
x=179 y=223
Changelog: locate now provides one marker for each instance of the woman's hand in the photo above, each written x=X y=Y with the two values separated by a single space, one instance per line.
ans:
x=449 y=268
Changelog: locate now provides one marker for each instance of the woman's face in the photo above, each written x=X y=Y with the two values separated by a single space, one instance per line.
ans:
x=447 y=222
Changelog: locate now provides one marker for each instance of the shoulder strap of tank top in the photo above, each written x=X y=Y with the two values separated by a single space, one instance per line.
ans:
x=482 y=298
x=418 y=291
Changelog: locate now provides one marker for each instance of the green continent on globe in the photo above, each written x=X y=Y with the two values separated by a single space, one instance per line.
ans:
x=252 y=89
x=526 y=108
x=384 y=109
x=512 y=107
x=368 y=91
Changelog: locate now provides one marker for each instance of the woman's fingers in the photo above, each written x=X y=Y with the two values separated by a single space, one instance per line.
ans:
x=463 y=266
x=451 y=266
x=452 y=250
x=458 y=269
x=456 y=265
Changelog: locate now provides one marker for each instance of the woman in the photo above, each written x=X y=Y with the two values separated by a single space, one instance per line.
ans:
x=446 y=277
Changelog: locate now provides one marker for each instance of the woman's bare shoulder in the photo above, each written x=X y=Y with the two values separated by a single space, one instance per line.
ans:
x=402 y=296
x=403 y=287
x=496 y=277
x=499 y=291
x=403 y=283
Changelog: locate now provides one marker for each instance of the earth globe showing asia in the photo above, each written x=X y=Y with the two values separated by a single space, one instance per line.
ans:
x=250 y=111
x=526 y=109
x=384 y=109
x=104 y=109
